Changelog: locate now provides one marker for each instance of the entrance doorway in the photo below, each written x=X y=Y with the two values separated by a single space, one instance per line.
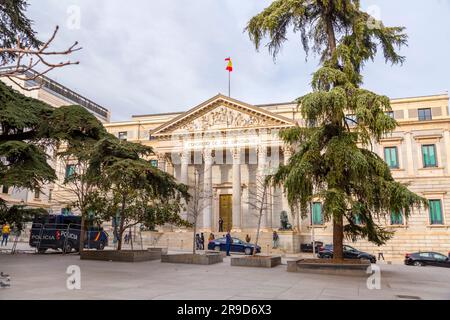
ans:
x=226 y=211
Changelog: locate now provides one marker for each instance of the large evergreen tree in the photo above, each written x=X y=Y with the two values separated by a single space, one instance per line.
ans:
x=333 y=160
x=131 y=189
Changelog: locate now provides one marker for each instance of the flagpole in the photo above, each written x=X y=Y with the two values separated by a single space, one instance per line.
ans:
x=229 y=84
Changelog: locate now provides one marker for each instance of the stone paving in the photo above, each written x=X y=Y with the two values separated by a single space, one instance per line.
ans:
x=44 y=277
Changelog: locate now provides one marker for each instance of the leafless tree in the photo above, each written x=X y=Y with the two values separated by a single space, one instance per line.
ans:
x=259 y=201
x=28 y=58
x=197 y=204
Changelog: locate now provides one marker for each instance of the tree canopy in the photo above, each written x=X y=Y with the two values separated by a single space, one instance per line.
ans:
x=131 y=189
x=333 y=160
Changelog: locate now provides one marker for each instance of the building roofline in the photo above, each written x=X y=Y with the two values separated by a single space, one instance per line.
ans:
x=51 y=84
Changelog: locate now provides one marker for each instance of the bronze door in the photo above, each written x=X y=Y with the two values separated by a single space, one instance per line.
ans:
x=226 y=211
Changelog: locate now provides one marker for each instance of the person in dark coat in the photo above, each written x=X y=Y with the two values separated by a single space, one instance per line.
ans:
x=228 y=243
x=202 y=241
x=220 y=224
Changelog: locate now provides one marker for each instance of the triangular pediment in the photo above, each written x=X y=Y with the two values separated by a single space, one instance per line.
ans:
x=222 y=113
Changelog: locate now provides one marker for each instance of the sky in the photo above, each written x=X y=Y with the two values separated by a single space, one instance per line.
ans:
x=144 y=57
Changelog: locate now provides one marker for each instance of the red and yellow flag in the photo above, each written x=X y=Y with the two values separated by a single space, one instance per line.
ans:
x=230 y=65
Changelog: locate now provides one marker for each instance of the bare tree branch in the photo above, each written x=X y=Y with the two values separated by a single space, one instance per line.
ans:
x=25 y=70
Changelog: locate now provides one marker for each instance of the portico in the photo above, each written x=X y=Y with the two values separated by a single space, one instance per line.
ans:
x=231 y=146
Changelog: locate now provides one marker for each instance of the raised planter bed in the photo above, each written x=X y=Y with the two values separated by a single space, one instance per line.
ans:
x=256 y=261
x=189 y=258
x=160 y=250
x=317 y=266
x=121 y=256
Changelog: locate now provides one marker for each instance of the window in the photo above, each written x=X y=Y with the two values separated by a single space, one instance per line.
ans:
x=70 y=170
x=5 y=189
x=390 y=114
x=123 y=135
x=37 y=194
x=396 y=218
x=436 y=217
x=317 y=216
x=425 y=114
x=391 y=157
x=154 y=163
x=429 y=156
x=65 y=211
x=439 y=257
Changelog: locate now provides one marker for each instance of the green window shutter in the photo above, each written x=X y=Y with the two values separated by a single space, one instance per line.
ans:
x=429 y=156
x=317 y=216
x=396 y=218
x=357 y=219
x=391 y=158
x=436 y=216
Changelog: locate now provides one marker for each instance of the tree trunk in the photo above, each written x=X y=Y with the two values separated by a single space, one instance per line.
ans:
x=122 y=222
x=338 y=238
x=194 y=247
x=261 y=211
x=338 y=222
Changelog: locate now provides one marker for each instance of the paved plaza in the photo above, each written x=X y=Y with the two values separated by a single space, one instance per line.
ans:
x=44 y=277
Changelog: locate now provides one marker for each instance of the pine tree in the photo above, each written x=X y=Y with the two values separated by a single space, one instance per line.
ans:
x=333 y=160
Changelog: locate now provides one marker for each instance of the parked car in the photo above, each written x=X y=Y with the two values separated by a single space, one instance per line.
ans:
x=326 y=252
x=308 y=247
x=237 y=245
x=421 y=259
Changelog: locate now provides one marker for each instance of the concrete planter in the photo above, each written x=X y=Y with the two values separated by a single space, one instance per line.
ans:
x=349 y=268
x=121 y=256
x=160 y=250
x=256 y=262
x=186 y=258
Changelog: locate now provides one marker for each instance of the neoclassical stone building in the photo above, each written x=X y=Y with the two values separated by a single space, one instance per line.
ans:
x=225 y=146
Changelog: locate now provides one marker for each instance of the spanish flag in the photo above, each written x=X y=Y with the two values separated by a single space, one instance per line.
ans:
x=230 y=65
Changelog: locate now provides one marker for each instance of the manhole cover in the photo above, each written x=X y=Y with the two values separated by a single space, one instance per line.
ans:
x=401 y=297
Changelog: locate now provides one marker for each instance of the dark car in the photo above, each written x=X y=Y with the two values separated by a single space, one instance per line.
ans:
x=237 y=245
x=421 y=259
x=308 y=247
x=60 y=232
x=326 y=252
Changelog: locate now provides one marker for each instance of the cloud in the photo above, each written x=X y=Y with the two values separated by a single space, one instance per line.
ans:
x=163 y=56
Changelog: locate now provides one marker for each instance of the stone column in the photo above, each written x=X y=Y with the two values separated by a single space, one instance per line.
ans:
x=207 y=190
x=236 y=190
x=184 y=175
x=287 y=154
x=184 y=178
x=260 y=176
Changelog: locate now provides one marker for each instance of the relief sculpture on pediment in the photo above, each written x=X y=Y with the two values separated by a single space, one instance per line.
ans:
x=223 y=118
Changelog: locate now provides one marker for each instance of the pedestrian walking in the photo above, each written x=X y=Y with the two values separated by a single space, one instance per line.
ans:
x=197 y=241
x=220 y=224
x=228 y=243
x=202 y=241
x=275 y=239
x=6 y=230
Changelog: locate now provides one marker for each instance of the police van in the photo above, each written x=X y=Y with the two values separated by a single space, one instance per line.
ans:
x=59 y=232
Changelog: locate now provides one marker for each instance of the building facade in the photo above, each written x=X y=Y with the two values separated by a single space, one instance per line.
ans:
x=52 y=197
x=226 y=146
